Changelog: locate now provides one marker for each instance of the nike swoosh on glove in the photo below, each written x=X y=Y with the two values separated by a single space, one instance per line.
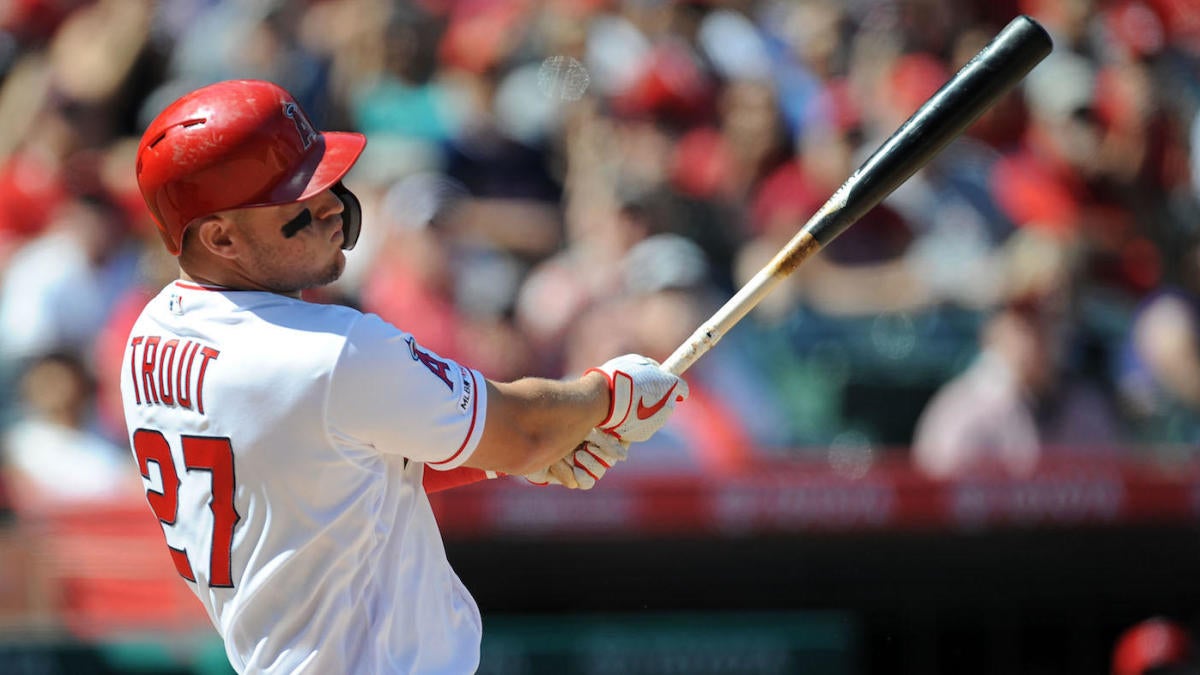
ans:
x=643 y=396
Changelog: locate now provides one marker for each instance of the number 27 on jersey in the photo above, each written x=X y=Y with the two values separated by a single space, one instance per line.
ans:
x=202 y=455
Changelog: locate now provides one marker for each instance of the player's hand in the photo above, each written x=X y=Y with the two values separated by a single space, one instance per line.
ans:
x=585 y=465
x=561 y=473
x=643 y=397
x=595 y=456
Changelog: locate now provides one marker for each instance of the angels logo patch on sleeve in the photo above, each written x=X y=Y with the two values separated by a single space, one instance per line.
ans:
x=435 y=365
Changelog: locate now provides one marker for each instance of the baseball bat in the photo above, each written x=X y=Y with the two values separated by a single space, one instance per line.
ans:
x=977 y=86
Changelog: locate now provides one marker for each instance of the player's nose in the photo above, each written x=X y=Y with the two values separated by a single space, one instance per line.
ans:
x=326 y=204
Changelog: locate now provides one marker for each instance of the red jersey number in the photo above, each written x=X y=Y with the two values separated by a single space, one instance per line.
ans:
x=208 y=454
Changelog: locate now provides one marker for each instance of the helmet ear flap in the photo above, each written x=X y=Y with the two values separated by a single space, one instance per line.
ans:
x=351 y=215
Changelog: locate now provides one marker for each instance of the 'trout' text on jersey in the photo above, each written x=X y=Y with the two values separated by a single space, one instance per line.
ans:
x=169 y=372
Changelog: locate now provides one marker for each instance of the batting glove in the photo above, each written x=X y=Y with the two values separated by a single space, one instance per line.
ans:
x=643 y=397
x=585 y=465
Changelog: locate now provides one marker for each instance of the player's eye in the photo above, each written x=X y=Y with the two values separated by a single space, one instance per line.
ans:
x=301 y=221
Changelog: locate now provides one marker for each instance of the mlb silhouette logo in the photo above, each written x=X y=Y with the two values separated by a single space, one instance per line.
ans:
x=175 y=304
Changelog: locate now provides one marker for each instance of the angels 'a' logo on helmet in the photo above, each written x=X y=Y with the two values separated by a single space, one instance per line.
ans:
x=303 y=127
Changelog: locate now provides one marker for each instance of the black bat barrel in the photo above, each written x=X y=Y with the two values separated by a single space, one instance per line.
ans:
x=995 y=70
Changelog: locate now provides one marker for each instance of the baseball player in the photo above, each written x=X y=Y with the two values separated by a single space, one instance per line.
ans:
x=283 y=444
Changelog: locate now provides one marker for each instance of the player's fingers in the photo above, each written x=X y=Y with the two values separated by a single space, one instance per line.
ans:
x=564 y=473
x=584 y=479
x=589 y=468
x=607 y=446
x=539 y=478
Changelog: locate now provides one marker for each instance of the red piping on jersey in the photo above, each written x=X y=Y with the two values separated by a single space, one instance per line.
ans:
x=198 y=287
x=470 y=429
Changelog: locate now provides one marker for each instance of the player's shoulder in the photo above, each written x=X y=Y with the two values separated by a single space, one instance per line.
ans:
x=375 y=344
x=181 y=298
x=303 y=314
x=370 y=334
x=248 y=318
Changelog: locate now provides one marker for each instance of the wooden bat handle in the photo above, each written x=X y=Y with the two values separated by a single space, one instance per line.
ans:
x=710 y=332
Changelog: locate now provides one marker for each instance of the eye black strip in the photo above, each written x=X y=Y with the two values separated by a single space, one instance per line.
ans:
x=301 y=221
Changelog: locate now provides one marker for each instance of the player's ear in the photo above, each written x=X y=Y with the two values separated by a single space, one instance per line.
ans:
x=215 y=234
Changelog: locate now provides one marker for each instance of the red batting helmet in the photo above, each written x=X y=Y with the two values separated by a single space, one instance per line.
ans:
x=238 y=144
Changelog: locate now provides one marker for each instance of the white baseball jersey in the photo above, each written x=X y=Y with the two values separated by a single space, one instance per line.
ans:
x=282 y=445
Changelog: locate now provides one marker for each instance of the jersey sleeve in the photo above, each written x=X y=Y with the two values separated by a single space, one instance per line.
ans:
x=388 y=392
x=436 y=481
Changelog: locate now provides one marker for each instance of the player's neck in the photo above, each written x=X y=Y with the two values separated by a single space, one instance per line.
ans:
x=200 y=280
x=231 y=284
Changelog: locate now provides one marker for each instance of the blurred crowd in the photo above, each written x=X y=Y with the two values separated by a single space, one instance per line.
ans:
x=549 y=183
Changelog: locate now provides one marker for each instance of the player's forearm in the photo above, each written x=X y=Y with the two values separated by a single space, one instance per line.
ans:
x=534 y=422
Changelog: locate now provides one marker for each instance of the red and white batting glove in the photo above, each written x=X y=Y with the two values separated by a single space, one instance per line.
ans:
x=595 y=456
x=561 y=473
x=643 y=397
x=585 y=465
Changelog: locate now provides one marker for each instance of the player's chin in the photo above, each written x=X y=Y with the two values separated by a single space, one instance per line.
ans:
x=334 y=270
x=323 y=276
